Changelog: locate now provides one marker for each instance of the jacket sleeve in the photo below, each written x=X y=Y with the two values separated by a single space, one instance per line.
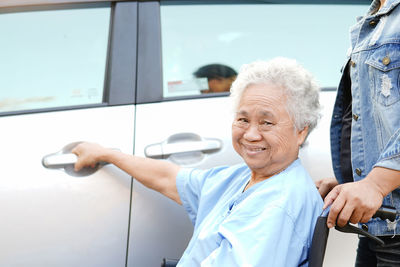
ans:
x=390 y=156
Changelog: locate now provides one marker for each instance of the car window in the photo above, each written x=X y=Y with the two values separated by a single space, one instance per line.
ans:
x=227 y=36
x=53 y=57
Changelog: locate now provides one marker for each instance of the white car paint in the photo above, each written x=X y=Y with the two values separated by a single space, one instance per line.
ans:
x=49 y=218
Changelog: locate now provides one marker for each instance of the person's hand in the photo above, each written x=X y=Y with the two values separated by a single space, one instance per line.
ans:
x=325 y=185
x=354 y=202
x=89 y=154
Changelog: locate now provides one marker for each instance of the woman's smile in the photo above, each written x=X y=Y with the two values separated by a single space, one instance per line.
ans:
x=253 y=150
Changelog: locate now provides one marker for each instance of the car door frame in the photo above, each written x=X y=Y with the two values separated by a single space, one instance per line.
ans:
x=149 y=68
x=121 y=66
x=121 y=62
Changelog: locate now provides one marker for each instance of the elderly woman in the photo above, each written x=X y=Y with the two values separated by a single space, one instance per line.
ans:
x=262 y=212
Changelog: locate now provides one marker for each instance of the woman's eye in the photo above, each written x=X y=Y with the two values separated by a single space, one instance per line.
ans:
x=265 y=125
x=241 y=122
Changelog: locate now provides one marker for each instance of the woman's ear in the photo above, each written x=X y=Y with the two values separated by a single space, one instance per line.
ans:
x=301 y=135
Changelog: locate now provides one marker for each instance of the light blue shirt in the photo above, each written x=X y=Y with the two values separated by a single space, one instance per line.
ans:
x=269 y=224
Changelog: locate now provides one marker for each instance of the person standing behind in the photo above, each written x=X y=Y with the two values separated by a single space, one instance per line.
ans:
x=365 y=134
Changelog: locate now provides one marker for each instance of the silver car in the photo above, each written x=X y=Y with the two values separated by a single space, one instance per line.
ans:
x=123 y=74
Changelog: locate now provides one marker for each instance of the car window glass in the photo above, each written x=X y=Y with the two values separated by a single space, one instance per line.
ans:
x=53 y=57
x=195 y=36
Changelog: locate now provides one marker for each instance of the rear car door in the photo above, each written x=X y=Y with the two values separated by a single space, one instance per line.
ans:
x=68 y=74
x=177 y=119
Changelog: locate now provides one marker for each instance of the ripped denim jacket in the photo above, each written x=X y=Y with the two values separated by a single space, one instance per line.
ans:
x=375 y=78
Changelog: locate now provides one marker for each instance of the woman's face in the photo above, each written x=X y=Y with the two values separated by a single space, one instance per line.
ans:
x=263 y=132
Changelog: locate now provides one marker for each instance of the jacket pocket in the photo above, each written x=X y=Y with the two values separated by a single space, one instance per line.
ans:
x=384 y=72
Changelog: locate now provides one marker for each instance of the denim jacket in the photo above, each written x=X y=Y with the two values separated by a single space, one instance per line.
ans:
x=375 y=88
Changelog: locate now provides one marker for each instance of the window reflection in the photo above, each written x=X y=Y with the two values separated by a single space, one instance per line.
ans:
x=219 y=77
x=53 y=57
x=235 y=34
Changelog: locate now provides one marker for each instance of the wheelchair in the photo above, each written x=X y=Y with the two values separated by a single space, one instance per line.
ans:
x=321 y=233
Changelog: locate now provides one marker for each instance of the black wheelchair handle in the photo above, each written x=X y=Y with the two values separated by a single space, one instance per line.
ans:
x=386 y=212
x=348 y=228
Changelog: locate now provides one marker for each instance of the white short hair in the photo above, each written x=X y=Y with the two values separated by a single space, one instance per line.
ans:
x=300 y=87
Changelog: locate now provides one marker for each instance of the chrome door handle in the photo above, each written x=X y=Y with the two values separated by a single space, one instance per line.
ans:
x=55 y=161
x=65 y=160
x=182 y=143
x=163 y=150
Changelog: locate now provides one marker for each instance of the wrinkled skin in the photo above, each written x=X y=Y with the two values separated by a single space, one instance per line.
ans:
x=263 y=132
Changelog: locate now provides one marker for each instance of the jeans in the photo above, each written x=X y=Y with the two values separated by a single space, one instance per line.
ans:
x=371 y=254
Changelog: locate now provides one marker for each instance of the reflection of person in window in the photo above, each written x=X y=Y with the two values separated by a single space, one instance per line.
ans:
x=220 y=77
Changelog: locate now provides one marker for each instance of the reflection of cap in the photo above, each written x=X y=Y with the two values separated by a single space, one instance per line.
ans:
x=213 y=71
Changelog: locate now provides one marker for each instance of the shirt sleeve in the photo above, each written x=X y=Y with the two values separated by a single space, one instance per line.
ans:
x=189 y=187
x=190 y=183
x=271 y=240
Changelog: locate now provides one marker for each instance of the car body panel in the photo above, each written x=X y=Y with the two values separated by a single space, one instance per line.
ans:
x=50 y=218
x=158 y=222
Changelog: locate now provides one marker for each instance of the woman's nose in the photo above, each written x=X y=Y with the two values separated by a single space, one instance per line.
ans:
x=252 y=133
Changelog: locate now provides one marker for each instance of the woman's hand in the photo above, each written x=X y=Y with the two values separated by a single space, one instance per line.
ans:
x=358 y=201
x=355 y=202
x=89 y=154
x=325 y=185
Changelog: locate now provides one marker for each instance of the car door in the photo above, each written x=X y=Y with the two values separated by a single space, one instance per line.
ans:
x=67 y=75
x=177 y=121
